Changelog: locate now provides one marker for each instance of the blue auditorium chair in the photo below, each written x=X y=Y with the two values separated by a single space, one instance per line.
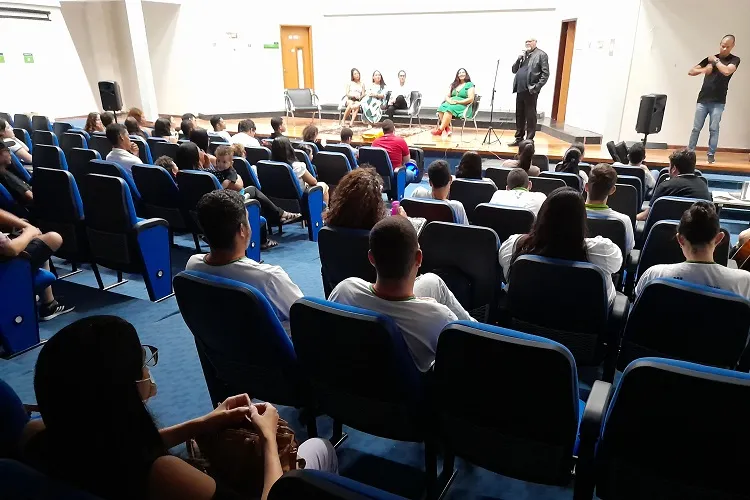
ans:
x=614 y=229
x=711 y=328
x=44 y=137
x=317 y=485
x=16 y=166
x=471 y=192
x=151 y=140
x=101 y=144
x=302 y=156
x=394 y=181
x=547 y=297
x=331 y=167
x=417 y=155
x=23 y=135
x=164 y=148
x=465 y=257
x=255 y=154
x=630 y=180
x=122 y=241
x=343 y=254
x=78 y=162
x=344 y=150
x=282 y=187
x=144 y=152
x=529 y=421
x=240 y=353
x=49 y=156
x=23 y=121
x=627 y=170
x=541 y=161
x=431 y=210
x=14 y=417
x=60 y=128
x=570 y=180
x=193 y=184
x=70 y=140
x=673 y=430
x=546 y=185
x=664 y=208
x=40 y=122
x=58 y=207
x=8 y=118
x=214 y=144
x=505 y=221
x=7 y=202
x=19 y=285
x=105 y=167
x=499 y=176
x=624 y=200
x=245 y=170
x=362 y=374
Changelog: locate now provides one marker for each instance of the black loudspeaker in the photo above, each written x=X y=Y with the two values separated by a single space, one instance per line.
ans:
x=110 y=94
x=651 y=113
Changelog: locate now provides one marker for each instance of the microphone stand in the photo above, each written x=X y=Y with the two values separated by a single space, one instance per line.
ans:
x=491 y=131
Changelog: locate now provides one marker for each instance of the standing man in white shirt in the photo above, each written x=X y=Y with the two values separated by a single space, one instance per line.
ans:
x=400 y=96
x=439 y=174
x=220 y=128
x=517 y=192
x=245 y=135
x=124 y=151
x=421 y=307
x=600 y=186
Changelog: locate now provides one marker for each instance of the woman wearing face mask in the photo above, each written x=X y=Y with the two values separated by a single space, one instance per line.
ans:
x=91 y=381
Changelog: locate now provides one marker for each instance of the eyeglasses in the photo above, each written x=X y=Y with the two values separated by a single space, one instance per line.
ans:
x=529 y=41
x=150 y=355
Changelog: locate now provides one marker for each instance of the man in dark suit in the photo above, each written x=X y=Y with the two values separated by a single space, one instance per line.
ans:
x=532 y=72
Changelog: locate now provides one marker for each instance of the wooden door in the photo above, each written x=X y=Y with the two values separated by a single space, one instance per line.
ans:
x=564 y=64
x=296 y=57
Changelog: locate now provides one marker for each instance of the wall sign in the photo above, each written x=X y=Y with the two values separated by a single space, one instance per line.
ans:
x=2 y=58
x=274 y=45
x=28 y=58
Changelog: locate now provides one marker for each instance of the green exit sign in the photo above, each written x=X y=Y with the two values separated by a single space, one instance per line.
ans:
x=2 y=58
x=28 y=58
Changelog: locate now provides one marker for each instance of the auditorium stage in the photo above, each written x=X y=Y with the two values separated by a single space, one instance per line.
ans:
x=726 y=162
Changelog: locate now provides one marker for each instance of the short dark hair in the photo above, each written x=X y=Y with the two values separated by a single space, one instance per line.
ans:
x=602 y=179
x=734 y=40
x=700 y=223
x=188 y=116
x=223 y=151
x=186 y=126
x=517 y=178
x=107 y=118
x=215 y=121
x=162 y=128
x=388 y=126
x=310 y=133
x=132 y=125
x=394 y=244
x=164 y=161
x=246 y=125
x=346 y=134
x=580 y=147
x=113 y=131
x=220 y=213
x=683 y=160
x=636 y=153
x=439 y=173
x=276 y=122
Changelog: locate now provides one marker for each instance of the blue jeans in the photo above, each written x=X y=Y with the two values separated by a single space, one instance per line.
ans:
x=703 y=109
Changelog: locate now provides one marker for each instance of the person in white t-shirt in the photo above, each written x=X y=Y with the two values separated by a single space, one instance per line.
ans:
x=282 y=150
x=223 y=217
x=439 y=174
x=602 y=183
x=124 y=151
x=559 y=232
x=220 y=128
x=16 y=147
x=245 y=135
x=421 y=306
x=636 y=155
x=698 y=234
x=518 y=192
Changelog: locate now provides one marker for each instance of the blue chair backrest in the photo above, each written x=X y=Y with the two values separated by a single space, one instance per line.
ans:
x=471 y=192
x=39 y=122
x=631 y=171
x=70 y=140
x=109 y=204
x=432 y=210
x=59 y=128
x=164 y=149
x=571 y=180
x=675 y=430
x=144 y=152
x=44 y=137
x=78 y=162
x=331 y=167
x=607 y=227
x=105 y=167
x=499 y=176
x=17 y=167
x=278 y=180
x=378 y=158
x=151 y=140
x=14 y=418
x=636 y=182
x=49 y=156
x=23 y=135
x=81 y=132
x=7 y=202
x=343 y=149
x=359 y=367
x=315 y=484
x=250 y=352
x=343 y=254
x=101 y=144
x=255 y=154
x=624 y=200
x=245 y=170
x=193 y=185
x=667 y=207
x=23 y=121
x=532 y=438
x=505 y=221
x=302 y=156
x=156 y=185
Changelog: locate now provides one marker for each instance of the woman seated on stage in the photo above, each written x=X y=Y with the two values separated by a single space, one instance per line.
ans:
x=355 y=91
x=400 y=96
x=559 y=232
x=523 y=159
x=372 y=105
x=470 y=167
x=163 y=128
x=460 y=96
x=282 y=150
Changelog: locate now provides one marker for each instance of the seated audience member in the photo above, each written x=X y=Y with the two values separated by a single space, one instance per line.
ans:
x=163 y=128
x=199 y=136
x=93 y=123
x=225 y=172
x=439 y=174
x=278 y=126
x=517 y=192
x=559 y=232
x=245 y=135
x=107 y=118
x=124 y=151
x=395 y=145
x=470 y=167
x=282 y=150
x=186 y=128
x=310 y=134
x=523 y=159
x=15 y=146
x=400 y=96
x=460 y=96
x=223 y=217
x=354 y=93
x=17 y=187
x=602 y=183
x=346 y=139
x=23 y=238
x=238 y=150
x=571 y=163
x=105 y=351
x=682 y=180
x=220 y=128
x=699 y=234
x=189 y=157
x=137 y=114
x=420 y=306
x=636 y=155
x=189 y=117
x=131 y=124
x=168 y=164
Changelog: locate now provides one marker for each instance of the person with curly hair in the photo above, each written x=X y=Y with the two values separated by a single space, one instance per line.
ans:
x=357 y=201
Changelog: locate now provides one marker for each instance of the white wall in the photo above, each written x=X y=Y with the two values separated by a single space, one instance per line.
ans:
x=673 y=36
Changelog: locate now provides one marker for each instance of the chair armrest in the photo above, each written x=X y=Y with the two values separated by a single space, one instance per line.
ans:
x=315 y=99
x=618 y=316
x=400 y=175
x=288 y=102
x=256 y=223
x=631 y=267
x=313 y=200
x=640 y=238
x=149 y=223
x=589 y=432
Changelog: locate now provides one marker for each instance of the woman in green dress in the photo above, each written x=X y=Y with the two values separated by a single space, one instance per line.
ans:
x=460 y=96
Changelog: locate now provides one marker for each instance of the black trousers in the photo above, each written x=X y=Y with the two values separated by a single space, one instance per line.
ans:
x=526 y=115
x=267 y=208
x=399 y=103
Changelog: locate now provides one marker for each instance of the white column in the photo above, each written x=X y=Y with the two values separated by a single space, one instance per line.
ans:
x=141 y=58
